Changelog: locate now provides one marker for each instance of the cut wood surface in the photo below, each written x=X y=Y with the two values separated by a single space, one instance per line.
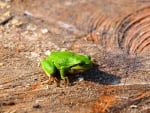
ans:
x=116 y=34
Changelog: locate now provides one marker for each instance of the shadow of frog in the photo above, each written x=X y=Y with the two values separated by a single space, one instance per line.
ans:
x=97 y=76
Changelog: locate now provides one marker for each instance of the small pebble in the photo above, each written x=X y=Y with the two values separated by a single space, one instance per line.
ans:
x=16 y=22
x=28 y=13
x=3 y=5
x=1 y=64
x=133 y=106
x=44 y=31
x=6 y=14
x=39 y=100
x=47 y=52
x=80 y=79
x=31 y=27
x=34 y=54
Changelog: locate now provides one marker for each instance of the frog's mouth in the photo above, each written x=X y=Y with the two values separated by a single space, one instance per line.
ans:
x=76 y=71
x=79 y=68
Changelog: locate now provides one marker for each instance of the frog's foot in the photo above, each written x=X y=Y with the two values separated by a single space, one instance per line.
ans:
x=47 y=82
x=50 y=81
x=57 y=82
x=66 y=81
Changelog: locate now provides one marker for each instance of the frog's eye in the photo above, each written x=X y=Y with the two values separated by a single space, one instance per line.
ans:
x=82 y=64
x=88 y=57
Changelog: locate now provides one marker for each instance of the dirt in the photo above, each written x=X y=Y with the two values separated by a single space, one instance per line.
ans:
x=114 y=33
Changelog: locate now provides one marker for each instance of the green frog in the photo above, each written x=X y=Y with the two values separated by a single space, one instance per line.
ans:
x=65 y=62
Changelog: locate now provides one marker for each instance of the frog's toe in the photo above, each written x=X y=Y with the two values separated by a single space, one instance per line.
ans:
x=50 y=81
x=66 y=81
x=57 y=82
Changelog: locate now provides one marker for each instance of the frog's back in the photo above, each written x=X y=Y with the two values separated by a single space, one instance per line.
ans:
x=62 y=54
x=63 y=58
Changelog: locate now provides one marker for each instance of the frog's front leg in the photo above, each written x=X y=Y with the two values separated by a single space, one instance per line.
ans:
x=64 y=77
x=50 y=70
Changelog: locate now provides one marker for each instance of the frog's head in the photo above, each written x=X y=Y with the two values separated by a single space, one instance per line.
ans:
x=85 y=62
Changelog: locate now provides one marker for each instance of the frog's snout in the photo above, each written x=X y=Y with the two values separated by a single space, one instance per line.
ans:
x=89 y=57
x=89 y=65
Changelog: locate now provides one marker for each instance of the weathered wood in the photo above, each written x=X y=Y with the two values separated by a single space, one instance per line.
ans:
x=115 y=33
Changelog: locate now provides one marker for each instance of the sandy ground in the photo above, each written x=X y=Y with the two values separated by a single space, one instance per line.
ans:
x=29 y=30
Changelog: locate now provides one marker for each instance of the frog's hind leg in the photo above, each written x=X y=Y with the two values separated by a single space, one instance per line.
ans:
x=50 y=70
